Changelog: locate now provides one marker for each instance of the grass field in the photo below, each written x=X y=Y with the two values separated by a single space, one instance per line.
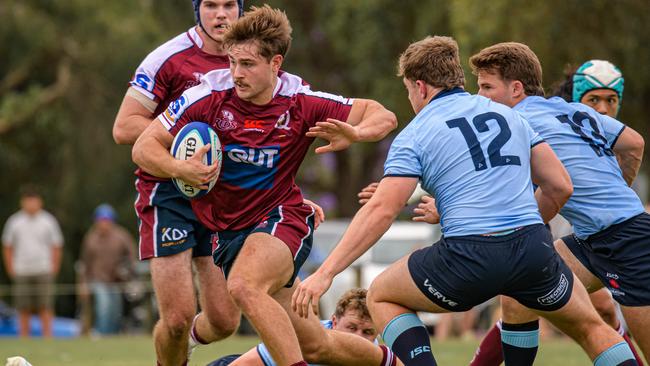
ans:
x=132 y=351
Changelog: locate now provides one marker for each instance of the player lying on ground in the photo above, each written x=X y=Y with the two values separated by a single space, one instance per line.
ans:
x=351 y=316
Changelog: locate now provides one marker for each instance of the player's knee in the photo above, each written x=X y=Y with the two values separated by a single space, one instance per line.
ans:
x=372 y=299
x=225 y=326
x=607 y=312
x=241 y=291
x=177 y=324
x=590 y=325
x=315 y=352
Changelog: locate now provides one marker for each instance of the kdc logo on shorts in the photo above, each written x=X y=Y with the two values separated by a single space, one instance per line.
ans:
x=173 y=236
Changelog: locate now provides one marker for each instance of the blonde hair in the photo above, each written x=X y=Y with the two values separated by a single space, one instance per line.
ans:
x=512 y=61
x=268 y=28
x=355 y=300
x=434 y=60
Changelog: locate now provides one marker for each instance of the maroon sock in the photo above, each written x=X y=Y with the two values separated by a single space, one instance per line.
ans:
x=489 y=352
x=301 y=363
x=388 y=357
x=194 y=334
x=634 y=352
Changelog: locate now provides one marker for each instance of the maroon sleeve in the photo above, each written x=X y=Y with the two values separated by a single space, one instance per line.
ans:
x=319 y=106
x=153 y=80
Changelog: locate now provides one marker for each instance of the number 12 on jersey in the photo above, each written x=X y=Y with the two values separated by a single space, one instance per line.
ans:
x=494 y=148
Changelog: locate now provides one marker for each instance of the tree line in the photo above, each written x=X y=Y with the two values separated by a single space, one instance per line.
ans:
x=65 y=66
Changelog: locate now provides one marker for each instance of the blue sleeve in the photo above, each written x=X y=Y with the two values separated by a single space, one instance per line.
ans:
x=612 y=129
x=265 y=355
x=403 y=158
x=534 y=137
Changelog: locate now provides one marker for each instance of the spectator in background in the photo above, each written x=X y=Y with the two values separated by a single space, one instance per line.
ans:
x=32 y=243
x=107 y=260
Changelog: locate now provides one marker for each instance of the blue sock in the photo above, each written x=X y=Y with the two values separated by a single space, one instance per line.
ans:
x=409 y=340
x=619 y=354
x=520 y=343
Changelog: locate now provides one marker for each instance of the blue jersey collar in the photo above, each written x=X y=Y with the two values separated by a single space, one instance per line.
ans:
x=447 y=92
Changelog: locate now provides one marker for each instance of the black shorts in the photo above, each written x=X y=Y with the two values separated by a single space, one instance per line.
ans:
x=294 y=225
x=620 y=257
x=461 y=272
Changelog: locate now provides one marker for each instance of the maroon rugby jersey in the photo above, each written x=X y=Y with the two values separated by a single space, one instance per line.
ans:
x=263 y=146
x=172 y=68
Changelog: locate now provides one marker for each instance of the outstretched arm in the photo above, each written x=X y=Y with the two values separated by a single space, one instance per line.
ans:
x=368 y=121
x=367 y=226
x=371 y=119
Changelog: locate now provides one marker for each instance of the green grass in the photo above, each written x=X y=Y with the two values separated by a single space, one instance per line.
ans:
x=131 y=351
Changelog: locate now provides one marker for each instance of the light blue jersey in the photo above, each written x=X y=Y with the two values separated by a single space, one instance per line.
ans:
x=473 y=155
x=266 y=355
x=583 y=140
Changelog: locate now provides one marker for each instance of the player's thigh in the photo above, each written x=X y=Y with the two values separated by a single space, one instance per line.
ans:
x=590 y=282
x=172 y=281
x=396 y=285
x=515 y=313
x=638 y=320
x=213 y=294
x=576 y=316
x=264 y=262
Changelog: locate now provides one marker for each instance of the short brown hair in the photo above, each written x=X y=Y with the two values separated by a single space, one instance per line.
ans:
x=513 y=61
x=30 y=190
x=355 y=300
x=433 y=60
x=269 y=28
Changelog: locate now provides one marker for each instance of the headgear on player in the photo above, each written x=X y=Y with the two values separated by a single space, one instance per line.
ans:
x=197 y=4
x=597 y=74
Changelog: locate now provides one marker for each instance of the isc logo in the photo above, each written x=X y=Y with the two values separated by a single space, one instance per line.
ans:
x=259 y=157
x=418 y=350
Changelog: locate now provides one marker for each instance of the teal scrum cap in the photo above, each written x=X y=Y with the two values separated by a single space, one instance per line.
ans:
x=597 y=74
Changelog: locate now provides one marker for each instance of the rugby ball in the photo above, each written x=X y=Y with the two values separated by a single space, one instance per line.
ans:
x=187 y=142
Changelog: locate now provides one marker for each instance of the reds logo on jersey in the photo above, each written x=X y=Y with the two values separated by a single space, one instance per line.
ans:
x=195 y=82
x=226 y=121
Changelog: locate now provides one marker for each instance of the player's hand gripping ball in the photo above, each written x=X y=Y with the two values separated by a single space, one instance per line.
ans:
x=187 y=142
